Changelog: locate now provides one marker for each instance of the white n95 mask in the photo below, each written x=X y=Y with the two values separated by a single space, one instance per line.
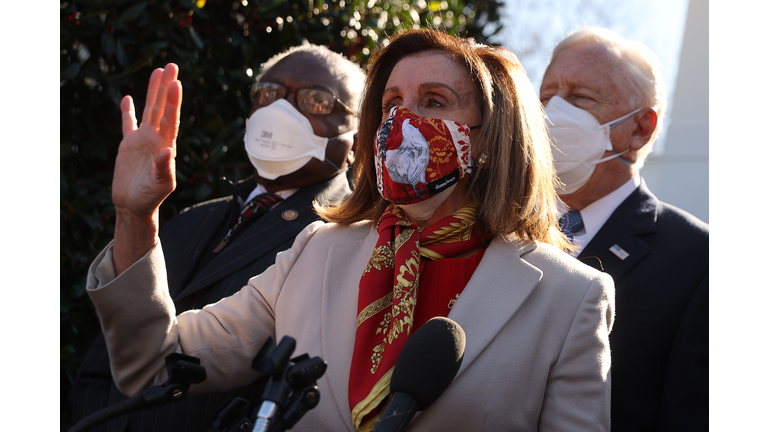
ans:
x=279 y=140
x=578 y=142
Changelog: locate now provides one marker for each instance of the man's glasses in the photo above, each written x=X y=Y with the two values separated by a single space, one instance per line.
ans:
x=311 y=101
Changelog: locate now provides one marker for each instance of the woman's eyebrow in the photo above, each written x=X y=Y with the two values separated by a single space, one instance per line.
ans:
x=433 y=85
x=426 y=86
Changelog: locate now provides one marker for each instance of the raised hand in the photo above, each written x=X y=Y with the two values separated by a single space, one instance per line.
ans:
x=145 y=170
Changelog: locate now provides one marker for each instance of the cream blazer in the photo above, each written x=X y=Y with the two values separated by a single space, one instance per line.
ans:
x=536 y=322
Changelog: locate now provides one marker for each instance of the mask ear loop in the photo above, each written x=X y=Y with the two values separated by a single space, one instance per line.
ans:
x=611 y=125
x=328 y=161
x=619 y=120
x=618 y=155
x=473 y=165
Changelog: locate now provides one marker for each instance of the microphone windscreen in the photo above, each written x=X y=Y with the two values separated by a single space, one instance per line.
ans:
x=429 y=361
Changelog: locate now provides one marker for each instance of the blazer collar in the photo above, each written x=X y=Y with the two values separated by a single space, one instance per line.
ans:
x=500 y=284
x=618 y=245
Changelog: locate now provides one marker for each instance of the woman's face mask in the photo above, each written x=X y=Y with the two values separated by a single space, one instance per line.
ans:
x=279 y=140
x=418 y=158
x=578 y=142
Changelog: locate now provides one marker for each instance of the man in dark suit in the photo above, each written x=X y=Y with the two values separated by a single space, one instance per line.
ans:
x=213 y=248
x=605 y=102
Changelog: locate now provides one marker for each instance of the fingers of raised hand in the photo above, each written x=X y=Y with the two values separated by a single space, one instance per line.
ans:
x=152 y=89
x=169 y=125
x=128 y=116
x=170 y=73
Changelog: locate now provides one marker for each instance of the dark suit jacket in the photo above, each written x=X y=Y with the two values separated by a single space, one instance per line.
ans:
x=659 y=342
x=186 y=240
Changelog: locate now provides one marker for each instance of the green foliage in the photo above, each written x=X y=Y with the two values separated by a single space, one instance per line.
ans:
x=110 y=47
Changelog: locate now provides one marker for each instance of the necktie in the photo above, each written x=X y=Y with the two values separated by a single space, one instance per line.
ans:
x=571 y=223
x=255 y=208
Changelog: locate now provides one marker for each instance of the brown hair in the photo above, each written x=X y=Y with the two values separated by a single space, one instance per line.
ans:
x=515 y=190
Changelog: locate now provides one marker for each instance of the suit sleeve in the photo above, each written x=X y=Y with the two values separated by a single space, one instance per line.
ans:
x=140 y=326
x=685 y=401
x=94 y=389
x=578 y=394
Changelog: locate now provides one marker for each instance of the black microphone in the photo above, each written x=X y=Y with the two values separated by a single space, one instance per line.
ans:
x=426 y=367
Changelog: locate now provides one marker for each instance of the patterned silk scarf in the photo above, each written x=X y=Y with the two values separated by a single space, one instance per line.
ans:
x=387 y=299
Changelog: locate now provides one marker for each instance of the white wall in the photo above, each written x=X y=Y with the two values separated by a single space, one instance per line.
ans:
x=680 y=174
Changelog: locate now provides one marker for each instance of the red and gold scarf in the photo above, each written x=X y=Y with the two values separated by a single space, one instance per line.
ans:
x=387 y=299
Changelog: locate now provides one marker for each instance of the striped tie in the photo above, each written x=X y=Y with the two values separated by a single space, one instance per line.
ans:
x=255 y=208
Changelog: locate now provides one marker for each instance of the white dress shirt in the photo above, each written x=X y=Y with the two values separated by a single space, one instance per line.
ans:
x=597 y=213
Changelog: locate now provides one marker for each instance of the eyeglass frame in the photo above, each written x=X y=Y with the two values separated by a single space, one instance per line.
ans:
x=253 y=87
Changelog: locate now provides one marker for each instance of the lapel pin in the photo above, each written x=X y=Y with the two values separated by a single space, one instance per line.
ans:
x=619 y=252
x=290 y=215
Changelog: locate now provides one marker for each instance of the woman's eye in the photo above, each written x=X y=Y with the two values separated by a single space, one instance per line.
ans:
x=433 y=103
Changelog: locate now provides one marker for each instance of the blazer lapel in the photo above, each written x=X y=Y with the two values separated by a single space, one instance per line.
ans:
x=260 y=238
x=500 y=284
x=184 y=257
x=346 y=262
x=618 y=246
x=498 y=287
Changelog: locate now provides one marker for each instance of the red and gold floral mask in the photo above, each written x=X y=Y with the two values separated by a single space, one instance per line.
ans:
x=417 y=157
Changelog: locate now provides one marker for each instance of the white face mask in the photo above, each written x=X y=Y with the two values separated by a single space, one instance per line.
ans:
x=279 y=140
x=578 y=142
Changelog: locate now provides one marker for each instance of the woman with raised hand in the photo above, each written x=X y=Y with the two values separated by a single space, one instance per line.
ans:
x=453 y=214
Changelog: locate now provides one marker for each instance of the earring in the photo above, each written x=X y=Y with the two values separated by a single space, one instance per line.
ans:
x=482 y=161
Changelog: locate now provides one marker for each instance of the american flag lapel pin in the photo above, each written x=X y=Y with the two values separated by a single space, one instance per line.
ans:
x=619 y=252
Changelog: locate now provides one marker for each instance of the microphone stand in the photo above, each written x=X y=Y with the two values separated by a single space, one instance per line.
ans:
x=183 y=371
x=291 y=391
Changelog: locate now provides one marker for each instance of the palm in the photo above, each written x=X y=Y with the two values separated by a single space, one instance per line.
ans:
x=144 y=168
x=136 y=184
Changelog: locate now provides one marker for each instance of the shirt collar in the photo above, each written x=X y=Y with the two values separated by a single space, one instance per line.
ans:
x=259 y=189
x=597 y=213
